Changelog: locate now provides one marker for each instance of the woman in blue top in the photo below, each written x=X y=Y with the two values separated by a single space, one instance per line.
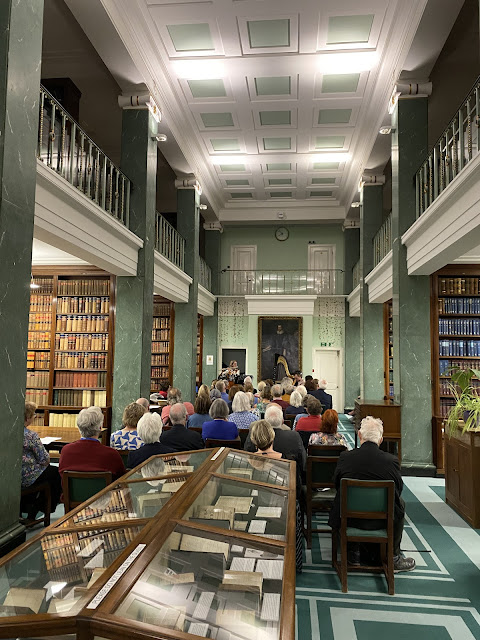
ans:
x=219 y=428
x=127 y=437
x=242 y=416
x=202 y=407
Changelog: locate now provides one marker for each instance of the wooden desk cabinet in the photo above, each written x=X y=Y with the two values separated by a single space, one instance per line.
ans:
x=200 y=543
x=462 y=475
x=389 y=414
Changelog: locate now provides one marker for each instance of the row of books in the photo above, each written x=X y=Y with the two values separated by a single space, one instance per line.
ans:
x=37 y=379
x=84 y=287
x=446 y=388
x=160 y=372
x=80 y=380
x=459 y=306
x=459 y=285
x=38 y=419
x=38 y=340
x=446 y=365
x=445 y=405
x=38 y=359
x=82 y=323
x=160 y=359
x=459 y=326
x=161 y=334
x=161 y=309
x=44 y=285
x=81 y=342
x=39 y=396
x=39 y=322
x=83 y=305
x=161 y=323
x=83 y=398
x=80 y=360
x=462 y=348
x=160 y=347
x=62 y=419
x=39 y=303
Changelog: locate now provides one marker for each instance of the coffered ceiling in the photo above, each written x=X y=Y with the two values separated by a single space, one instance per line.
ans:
x=275 y=105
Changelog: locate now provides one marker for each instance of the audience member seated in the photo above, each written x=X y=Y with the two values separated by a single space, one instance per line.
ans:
x=220 y=386
x=286 y=441
x=248 y=385
x=144 y=402
x=174 y=395
x=288 y=389
x=234 y=389
x=329 y=434
x=36 y=468
x=296 y=404
x=127 y=437
x=88 y=454
x=163 y=390
x=219 y=428
x=313 y=422
x=277 y=392
x=215 y=395
x=253 y=407
x=242 y=416
x=149 y=430
x=265 y=397
x=325 y=398
x=178 y=437
x=202 y=407
x=297 y=378
x=369 y=462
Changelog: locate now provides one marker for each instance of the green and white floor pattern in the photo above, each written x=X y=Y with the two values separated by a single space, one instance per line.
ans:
x=440 y=600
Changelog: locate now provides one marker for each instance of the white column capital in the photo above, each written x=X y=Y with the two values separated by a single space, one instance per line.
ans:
x=140 y=101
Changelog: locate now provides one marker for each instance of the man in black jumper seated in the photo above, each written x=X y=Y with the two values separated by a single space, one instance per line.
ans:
x=369 y=462
x=178 y=437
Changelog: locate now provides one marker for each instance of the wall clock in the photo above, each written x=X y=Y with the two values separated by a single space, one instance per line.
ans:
x=281 y=233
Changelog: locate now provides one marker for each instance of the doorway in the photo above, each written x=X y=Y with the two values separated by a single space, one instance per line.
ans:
x=321 y=266
x=233 y=353
x=328 y=364
x=243 y=265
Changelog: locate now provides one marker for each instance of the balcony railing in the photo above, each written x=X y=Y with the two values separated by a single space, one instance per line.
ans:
x=205 y=278
x=382 y=241
x=356 y=275
x=453 y=151
x=281 y=282
x=67 y=149
x=169 y=242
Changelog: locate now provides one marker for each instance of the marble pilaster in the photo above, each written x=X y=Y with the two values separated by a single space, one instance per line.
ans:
x=411 y=294
x=210 y=323
x=352 y=325
x=134 y=299
x=20 y=60
x=372 y=383
x=184 y=361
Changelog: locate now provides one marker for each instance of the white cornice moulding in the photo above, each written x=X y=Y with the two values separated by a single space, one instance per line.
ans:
x=169 y=281
x=66 y=219
x=449 y=228
x=380 y=280
x=206 y=301
x=272 y=305
x=354 y=303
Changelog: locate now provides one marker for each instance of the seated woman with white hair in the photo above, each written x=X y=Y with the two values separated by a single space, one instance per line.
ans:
x=296 y=404
x=149 y=429
x=241 y=415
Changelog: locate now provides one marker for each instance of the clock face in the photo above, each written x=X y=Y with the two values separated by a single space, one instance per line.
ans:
x=281 y=233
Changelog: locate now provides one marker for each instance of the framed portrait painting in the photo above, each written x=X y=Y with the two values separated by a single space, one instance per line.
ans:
x=279 y=336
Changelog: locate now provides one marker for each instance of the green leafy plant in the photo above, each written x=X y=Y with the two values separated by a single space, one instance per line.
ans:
x=467 y=401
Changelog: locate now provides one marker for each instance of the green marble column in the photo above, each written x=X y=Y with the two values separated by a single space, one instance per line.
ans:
x=372 y=386
x=411 y=294
x=20 y=58
x=210 y=323
x=134 y=299
x=351 y=239
x=184 y=361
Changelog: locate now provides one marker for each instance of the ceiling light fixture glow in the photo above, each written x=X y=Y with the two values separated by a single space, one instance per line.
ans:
x=355 y=205
x=228 y=159
x=332 y=63
x=330 y=157
x=199 y=69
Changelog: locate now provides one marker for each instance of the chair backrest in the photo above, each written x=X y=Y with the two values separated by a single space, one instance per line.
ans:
x=124 y=455
x=320 y=471
x=305 y=436
x=78 y=486
x=325 y=450
x=166 y=427
x=243 y=433
x=197 y=429
x=367 y=499
x=288 y=422
x=211 y=443
x=291 y=417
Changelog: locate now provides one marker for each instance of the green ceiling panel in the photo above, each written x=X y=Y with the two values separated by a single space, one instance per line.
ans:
x=217 y=119
x=268 y=33
x=233 y=168
x=280 y=194
x=323 y=180
x=191 y=37
x=207 y=88
x=347 y=29
x=323 y=166
x=225 y=144
x=334 y=116
x=279 y=166
x=340 y=82
x=329 y=142
x=275 y=86
x=276 y=118
x=238 y=183
x=240 y=194
x=277 y=144
x=276 y=182
x=323 y=194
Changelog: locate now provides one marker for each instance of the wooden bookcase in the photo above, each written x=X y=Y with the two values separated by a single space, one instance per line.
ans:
x=388 y=348
x=162 y=342
x=70 y=343
x=455 y=330
x=199 y=350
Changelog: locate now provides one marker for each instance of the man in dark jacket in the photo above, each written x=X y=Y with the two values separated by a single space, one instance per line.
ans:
x=178 y=437
x=319 y=393
x=369 y=462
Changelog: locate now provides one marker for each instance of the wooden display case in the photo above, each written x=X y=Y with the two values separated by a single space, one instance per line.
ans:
x=70 y=343
x=388 y=348
x=199 y=543
x=162 y=342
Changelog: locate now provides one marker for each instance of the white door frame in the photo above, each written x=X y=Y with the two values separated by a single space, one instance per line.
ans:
x=341 y=373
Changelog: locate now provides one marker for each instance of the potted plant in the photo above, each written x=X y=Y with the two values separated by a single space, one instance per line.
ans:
x=467 y=401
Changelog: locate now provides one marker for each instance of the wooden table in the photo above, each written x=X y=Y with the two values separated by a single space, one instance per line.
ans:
x=388 y=412
x=66 y=435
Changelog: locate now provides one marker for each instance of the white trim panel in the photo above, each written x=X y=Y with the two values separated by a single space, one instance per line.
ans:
x=66 y=219
x=354 y=303
x=380 y=280
x=169 y=281
x=280 y=305
x=449 y=228
x=206 y=302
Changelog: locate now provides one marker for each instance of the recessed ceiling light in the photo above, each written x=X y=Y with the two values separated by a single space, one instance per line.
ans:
x=385 y=131
x=199 y=69
x=347 y=62
x=330 y=157
x=228 y=159
x=355 y=204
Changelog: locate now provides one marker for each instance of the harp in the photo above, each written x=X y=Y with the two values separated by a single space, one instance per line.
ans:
x=280 y=369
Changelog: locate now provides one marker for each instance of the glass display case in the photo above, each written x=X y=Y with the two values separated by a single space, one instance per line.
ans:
x=188 y=545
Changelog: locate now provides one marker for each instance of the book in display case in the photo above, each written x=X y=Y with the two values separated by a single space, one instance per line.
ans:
x=187 y=545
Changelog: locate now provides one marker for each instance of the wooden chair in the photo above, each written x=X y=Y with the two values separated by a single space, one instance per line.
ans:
x=365 y=500
x=243 y=433
x=288 y=422
x=197 y=429
x=78 y=486
x=44 y=489
x=124 y=455
x=305 y=436
x=321 y=465
x=212 y=443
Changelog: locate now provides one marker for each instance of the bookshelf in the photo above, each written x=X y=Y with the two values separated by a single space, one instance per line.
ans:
x=70 y=343
x=199 y=350
x=455 y=317
x=162 y=342
x=388 y=348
